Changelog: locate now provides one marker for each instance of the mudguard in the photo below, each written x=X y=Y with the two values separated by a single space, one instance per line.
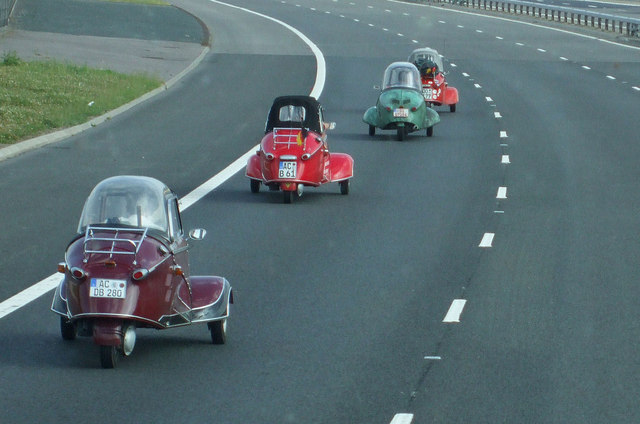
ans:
x=253 y=168
x=371 y=116
x=431 y=118
x=451 y=96
x=341 y=166
x=59 y=303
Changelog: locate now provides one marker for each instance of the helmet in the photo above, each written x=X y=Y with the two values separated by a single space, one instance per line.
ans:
x=428 y=69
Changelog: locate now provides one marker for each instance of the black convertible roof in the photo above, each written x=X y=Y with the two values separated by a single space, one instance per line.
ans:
x=312 y=115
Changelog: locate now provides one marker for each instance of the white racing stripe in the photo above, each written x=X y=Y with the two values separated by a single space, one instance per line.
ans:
x=40 y=288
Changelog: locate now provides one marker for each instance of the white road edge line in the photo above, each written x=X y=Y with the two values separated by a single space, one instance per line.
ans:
x=455 y=310
x=38 y=289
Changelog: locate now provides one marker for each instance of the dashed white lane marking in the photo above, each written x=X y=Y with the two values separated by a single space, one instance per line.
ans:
x=499 y=38
x=611 y=77
x=636 y=88
x=563 y=58
x=497 y=115
x=487 y=240
x=489 y=99
x=464 y=74
x=519 y=44
x=433 y=358
x=585 y=67
x=455 y=310
x=502 y=193
x=476 y=85
x=542 y=50
x=505 y=159
x=503 y=134
x=402 y=419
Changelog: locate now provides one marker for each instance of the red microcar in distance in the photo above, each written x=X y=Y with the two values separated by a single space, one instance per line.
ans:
x=435 y=89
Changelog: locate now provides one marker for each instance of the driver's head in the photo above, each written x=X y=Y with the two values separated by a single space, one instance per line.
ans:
x=429 y=69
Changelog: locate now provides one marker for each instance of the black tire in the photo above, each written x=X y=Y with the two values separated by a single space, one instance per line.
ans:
x=372 y=130
x=401 y=133
x=288 y=196
x=109 y=356
x=67 y=329
x=344 y=187
x=452 y=108
x=218 y=331
x=430 y=131
x=255 y=185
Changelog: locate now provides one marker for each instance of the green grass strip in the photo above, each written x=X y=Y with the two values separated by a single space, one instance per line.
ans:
x=39 y=97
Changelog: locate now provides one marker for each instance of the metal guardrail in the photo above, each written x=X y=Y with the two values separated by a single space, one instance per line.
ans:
x=5 y=11
x=612 y=23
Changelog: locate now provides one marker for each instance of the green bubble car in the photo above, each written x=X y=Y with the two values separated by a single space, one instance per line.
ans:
x=401 y=106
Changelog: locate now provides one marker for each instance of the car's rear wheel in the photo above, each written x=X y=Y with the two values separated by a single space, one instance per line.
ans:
x=288 y=196
x=430 y=131
x=109 y=356
x=452 y=108
x=401 y=133
x=255 y=185
x=372 y=130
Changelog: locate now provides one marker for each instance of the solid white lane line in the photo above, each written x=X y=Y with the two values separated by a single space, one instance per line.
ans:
x=455 y=310
x=487 y=240
x=402 y=419
x=502 y=193
x=49 y=283
x=29 y=294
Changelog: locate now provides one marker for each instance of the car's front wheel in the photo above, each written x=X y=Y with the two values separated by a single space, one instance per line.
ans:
x=344 y=187
x=452 y=108
x=255 y=185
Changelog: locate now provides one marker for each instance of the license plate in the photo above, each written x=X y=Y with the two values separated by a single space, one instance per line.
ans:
x=112 y=289
x=400 y=113
x=427 y=93
x=287 y=169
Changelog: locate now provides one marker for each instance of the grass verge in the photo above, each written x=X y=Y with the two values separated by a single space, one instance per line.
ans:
x=40 y=97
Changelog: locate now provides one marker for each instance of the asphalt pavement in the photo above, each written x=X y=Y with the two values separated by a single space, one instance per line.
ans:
x=162 y=41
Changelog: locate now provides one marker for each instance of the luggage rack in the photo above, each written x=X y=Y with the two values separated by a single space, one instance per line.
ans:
x=125 y=245
x=287 y=137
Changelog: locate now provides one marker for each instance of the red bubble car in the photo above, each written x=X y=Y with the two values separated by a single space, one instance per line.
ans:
x=294 y=153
